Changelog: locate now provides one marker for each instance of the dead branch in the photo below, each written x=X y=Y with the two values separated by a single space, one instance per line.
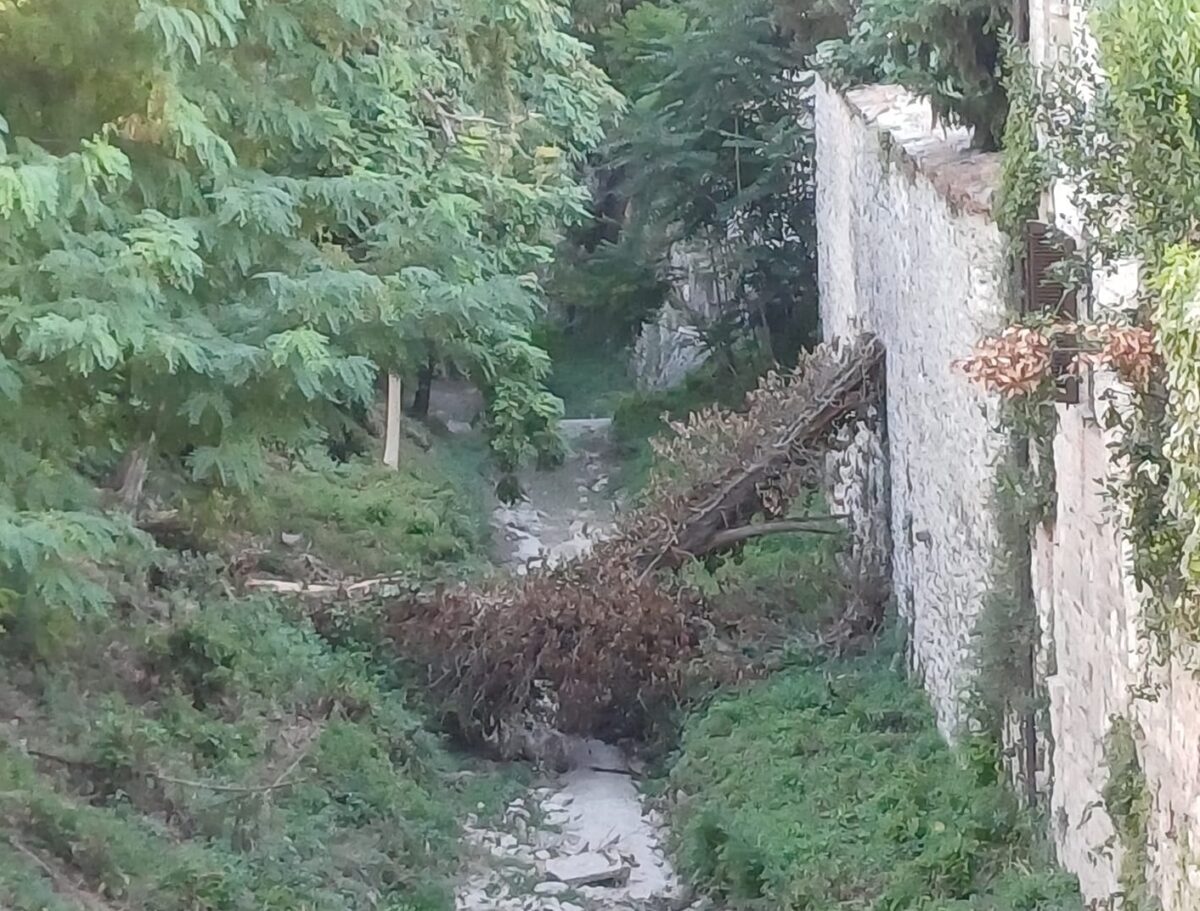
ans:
x=323 y=589
x=57 y=877
x=278 y=784
x=732 y=536
x=223 y=788
x=835 y=386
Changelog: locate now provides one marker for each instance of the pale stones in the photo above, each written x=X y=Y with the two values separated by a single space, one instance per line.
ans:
x=591 y=868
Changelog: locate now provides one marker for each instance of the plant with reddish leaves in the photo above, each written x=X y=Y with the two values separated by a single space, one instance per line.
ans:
x=1023 y=360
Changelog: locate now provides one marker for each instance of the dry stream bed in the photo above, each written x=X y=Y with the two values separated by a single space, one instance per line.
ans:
x=584 y=839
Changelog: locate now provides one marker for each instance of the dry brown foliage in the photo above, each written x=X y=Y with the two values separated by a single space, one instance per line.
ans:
x=610 y=643
x=1020 y=361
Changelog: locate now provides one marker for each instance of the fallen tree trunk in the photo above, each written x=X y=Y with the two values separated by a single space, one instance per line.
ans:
x=610 y=643
x=731 y=537
x=794 y=419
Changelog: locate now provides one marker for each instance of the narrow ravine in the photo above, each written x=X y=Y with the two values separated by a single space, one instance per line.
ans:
x=582 y=839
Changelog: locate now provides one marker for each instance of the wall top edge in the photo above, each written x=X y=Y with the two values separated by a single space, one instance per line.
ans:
x=905 y=126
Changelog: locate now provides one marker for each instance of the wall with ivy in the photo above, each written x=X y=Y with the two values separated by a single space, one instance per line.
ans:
x=908 y=250
x=1124 y=697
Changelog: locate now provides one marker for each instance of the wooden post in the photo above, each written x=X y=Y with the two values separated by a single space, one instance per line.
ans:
x=391 y=434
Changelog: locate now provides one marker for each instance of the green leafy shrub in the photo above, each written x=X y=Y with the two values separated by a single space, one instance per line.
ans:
x=204 y=257
x=948 y=51
x=304 y=779
x=828 y=788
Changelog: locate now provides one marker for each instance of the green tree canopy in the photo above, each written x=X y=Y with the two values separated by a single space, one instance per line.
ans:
x=220 y=218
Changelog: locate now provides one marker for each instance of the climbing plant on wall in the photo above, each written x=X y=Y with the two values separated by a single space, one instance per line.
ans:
x=1126 y=143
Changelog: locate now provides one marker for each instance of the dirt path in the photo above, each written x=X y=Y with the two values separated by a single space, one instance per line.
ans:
x=583 y=840
x=567 y=509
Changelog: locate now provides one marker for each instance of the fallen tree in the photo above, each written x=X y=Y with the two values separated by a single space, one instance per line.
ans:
x=609 y=643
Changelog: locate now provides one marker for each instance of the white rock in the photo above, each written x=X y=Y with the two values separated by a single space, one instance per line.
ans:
x=551 y=887
x=588 y=868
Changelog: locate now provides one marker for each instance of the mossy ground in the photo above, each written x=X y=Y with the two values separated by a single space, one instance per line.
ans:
x=196 y=749
x=828 y=788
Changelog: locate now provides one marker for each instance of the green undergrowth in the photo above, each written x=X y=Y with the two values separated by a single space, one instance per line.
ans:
x=428 y=518
x=638 y=416
x=828 y=788
x=191 y=749
x=590 y=372
x=775 y=589
x=225 y=757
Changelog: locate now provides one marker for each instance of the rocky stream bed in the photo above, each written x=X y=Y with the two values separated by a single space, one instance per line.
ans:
x=582 y=839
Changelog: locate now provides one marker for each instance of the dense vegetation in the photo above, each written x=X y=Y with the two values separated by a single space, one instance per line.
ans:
x=949 y=51
x=196 y=749
x=221 y=223
x=714 y=157
x=828 y=788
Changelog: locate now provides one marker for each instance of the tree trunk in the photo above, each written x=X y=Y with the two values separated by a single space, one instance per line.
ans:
x=420 y=408
x=129 y=478
x=391 y=435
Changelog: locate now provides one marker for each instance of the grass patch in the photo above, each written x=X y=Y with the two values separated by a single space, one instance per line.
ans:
x=428 y=518
x=170 y=736
x=828 y=788
x=590 y=372
x=775 y=589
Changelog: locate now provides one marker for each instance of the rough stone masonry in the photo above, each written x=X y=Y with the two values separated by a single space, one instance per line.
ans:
x=908 y=250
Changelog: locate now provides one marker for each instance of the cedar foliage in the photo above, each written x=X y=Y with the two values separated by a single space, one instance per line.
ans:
x=220 y=220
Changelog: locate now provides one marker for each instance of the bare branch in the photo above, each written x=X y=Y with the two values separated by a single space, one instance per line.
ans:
x=731 y=536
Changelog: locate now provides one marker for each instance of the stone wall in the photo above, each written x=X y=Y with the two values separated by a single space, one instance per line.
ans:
x=667 y=350
x=907 y=250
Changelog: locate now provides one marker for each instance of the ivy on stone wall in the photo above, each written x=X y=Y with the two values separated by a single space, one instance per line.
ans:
x=1004 y=687
x=1128 y=143
x=1128 y=801
x=1177 y=289
x=1006 y=633
x=1120 y=131
x=1025 y=169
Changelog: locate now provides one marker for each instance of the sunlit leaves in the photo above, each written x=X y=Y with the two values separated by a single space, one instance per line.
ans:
x=220 y=220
